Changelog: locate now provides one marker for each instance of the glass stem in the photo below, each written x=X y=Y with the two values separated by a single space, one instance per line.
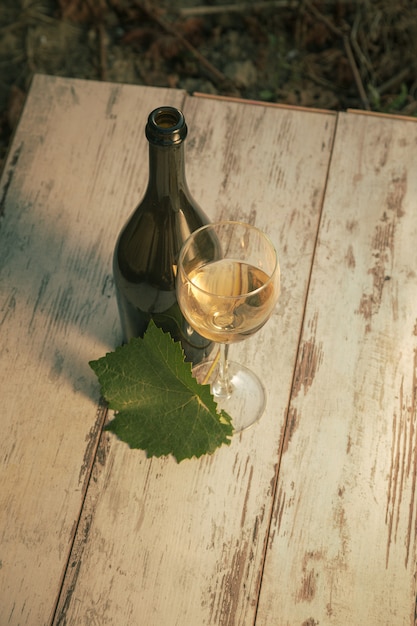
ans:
x=222 y=387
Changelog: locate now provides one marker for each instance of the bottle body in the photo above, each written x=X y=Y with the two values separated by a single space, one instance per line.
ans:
x=146 y=253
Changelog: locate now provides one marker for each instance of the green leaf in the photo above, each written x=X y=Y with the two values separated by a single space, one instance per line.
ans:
x=160 y=407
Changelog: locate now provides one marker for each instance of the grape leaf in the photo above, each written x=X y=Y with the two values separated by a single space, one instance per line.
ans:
x=160 y=407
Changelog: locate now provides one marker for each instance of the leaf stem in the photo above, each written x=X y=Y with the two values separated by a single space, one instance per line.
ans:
x=211 y=368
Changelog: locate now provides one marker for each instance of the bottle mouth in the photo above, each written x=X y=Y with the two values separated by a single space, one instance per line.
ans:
x=166 y=126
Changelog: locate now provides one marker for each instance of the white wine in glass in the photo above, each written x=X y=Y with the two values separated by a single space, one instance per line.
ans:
x=228 y=283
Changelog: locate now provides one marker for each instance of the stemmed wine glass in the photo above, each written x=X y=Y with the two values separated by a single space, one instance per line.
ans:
x=228 y=282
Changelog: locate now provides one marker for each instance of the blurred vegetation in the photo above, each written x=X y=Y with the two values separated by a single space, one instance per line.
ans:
x=330 y=54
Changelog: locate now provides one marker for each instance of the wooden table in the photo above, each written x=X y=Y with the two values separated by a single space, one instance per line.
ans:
x=309 y=517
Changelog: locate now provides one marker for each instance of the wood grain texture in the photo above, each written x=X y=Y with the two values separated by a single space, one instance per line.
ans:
x=74 y=172
x=162 y=543
x=342 y=548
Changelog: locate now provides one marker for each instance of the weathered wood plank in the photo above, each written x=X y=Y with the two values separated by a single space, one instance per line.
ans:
x=162 y=543
x=342 y=548
x=75 y=170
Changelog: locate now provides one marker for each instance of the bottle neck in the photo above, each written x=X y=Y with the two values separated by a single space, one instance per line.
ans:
x=166 y=171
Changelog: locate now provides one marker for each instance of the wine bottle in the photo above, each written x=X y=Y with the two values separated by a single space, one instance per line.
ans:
x=147 y=249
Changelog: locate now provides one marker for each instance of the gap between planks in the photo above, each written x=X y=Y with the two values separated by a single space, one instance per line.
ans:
x=102 y=412
x=287 y=425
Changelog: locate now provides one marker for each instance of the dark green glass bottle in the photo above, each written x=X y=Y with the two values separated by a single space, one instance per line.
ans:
x=146 y=254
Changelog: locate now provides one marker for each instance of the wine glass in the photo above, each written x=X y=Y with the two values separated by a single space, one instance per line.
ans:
x=228 y=282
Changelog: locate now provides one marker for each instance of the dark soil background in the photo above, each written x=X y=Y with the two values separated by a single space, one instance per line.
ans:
x=330 y=54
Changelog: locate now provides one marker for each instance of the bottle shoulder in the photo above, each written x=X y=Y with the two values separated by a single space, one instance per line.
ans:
x=150 y=242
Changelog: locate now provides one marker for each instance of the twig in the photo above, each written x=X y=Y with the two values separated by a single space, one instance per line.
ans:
x=97 y=12
x=211 y=368
x=336 y=31
x=238 y=8
x=101 y=32
x=394 y=81
x=356 y=74
x=364 y=61
x=348 y=49
x=213 y=71
x=248 y=6
x=320 y=81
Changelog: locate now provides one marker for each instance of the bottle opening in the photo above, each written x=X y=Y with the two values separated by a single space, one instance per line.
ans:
x=166 y=126
x=167 y=118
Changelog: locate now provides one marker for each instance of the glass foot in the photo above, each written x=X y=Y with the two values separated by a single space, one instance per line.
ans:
x=246 y=401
